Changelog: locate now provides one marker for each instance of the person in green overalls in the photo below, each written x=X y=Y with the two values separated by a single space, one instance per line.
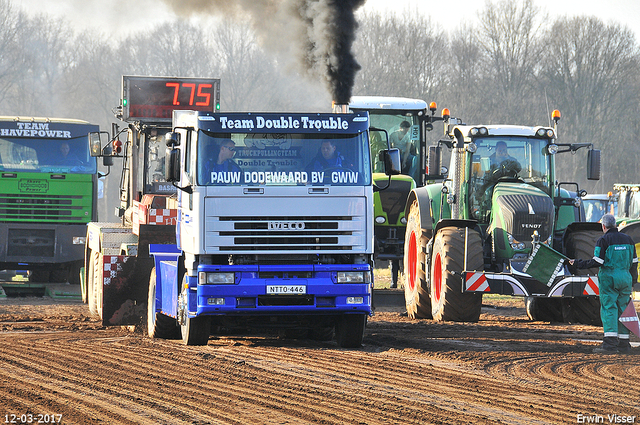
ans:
x=615 y=254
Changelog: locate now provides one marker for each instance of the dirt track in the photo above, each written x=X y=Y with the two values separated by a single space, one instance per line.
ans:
x=504 y=369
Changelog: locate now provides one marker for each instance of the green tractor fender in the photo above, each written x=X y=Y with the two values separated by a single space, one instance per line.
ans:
x=428 y=200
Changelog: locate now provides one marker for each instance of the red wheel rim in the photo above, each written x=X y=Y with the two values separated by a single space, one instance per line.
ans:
x=437 y=277
x=412 y=261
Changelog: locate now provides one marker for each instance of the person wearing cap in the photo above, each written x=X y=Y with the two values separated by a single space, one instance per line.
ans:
x=615 y=254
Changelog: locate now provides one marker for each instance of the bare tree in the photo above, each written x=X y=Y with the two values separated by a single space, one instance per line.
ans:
x=593 y=75
x=509 y=36
x=400 y=55
x=13 y=61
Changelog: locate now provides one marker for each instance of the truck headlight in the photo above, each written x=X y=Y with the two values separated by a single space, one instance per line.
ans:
x=354 y=277
x=216 y=278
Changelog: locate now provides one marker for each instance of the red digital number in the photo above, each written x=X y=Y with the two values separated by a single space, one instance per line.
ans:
x=207 y=96
x=192 y=87
x=176 y=91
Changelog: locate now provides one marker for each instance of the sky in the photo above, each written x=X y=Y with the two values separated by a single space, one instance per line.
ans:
x=119 y=18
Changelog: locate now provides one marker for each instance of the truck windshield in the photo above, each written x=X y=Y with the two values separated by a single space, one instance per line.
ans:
x=404 y=134
x=46 y=155
x=283 y=159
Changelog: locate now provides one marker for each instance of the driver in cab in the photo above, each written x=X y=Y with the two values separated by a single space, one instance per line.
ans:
x=502 y=163
x=327 y=157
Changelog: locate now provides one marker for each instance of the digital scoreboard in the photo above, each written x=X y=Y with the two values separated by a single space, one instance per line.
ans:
x=154 y=98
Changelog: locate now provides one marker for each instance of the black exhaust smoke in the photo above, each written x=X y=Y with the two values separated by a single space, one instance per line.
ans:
x=319 y=33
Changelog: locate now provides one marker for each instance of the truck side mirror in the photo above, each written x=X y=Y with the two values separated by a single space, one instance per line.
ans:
x=107 y=158
x=391 y=160
x=172 y=165
x=593 y=164
x=434 y=162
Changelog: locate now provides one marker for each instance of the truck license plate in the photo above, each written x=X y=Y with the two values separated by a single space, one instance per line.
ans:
x=286 y=289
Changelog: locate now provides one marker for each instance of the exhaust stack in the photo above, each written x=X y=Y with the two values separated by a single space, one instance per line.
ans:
x=340 y=108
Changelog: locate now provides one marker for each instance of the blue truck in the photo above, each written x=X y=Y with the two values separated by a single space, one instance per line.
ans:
x=274 y=226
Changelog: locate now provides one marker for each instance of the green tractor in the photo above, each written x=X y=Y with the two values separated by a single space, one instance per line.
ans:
x=473 y=233
x=406 y=122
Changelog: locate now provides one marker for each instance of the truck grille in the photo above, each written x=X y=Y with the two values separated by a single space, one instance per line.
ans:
x=337 y=233
x=42 y=208
x=31 y=243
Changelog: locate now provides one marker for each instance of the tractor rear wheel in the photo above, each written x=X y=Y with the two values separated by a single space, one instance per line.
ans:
x=416 y=292
x=585 y=310
x=448 y=302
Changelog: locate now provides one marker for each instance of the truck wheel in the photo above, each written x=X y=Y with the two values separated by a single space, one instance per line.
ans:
x=159 y=325
x=416 y=293
x=585 y=310
x=448 y=302
x=543 y=309
x=194 y=330
x=350 y=330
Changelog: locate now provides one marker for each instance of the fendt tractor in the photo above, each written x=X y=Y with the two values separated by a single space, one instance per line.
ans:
x=407 y=122
x=280 y=236
x=474 y=233
x=117 y=260
x=48 y=193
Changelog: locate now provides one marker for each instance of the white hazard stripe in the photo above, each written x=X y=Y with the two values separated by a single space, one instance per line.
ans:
x=477 y=282
x=598 y=260
x=629 y=319
x=591 y=288
x=589 y=281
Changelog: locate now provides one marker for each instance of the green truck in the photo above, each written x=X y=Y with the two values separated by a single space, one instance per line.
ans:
x=48 y=194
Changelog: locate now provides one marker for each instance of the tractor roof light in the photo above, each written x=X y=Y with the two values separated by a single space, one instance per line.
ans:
x=556 y=115
x=433 y=106
x=475 y=131
x=545 y=132
x=472 y=147
x=552 y=149
x=446 y=114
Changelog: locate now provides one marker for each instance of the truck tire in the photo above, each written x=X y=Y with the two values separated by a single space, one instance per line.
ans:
x=448 y=302
x=416 y=292
x=585 y=310
x=194 y=330
x=350 y=330
x=159 y=325
x=541 y=309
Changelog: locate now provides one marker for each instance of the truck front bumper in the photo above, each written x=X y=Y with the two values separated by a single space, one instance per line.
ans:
x=278 y=290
